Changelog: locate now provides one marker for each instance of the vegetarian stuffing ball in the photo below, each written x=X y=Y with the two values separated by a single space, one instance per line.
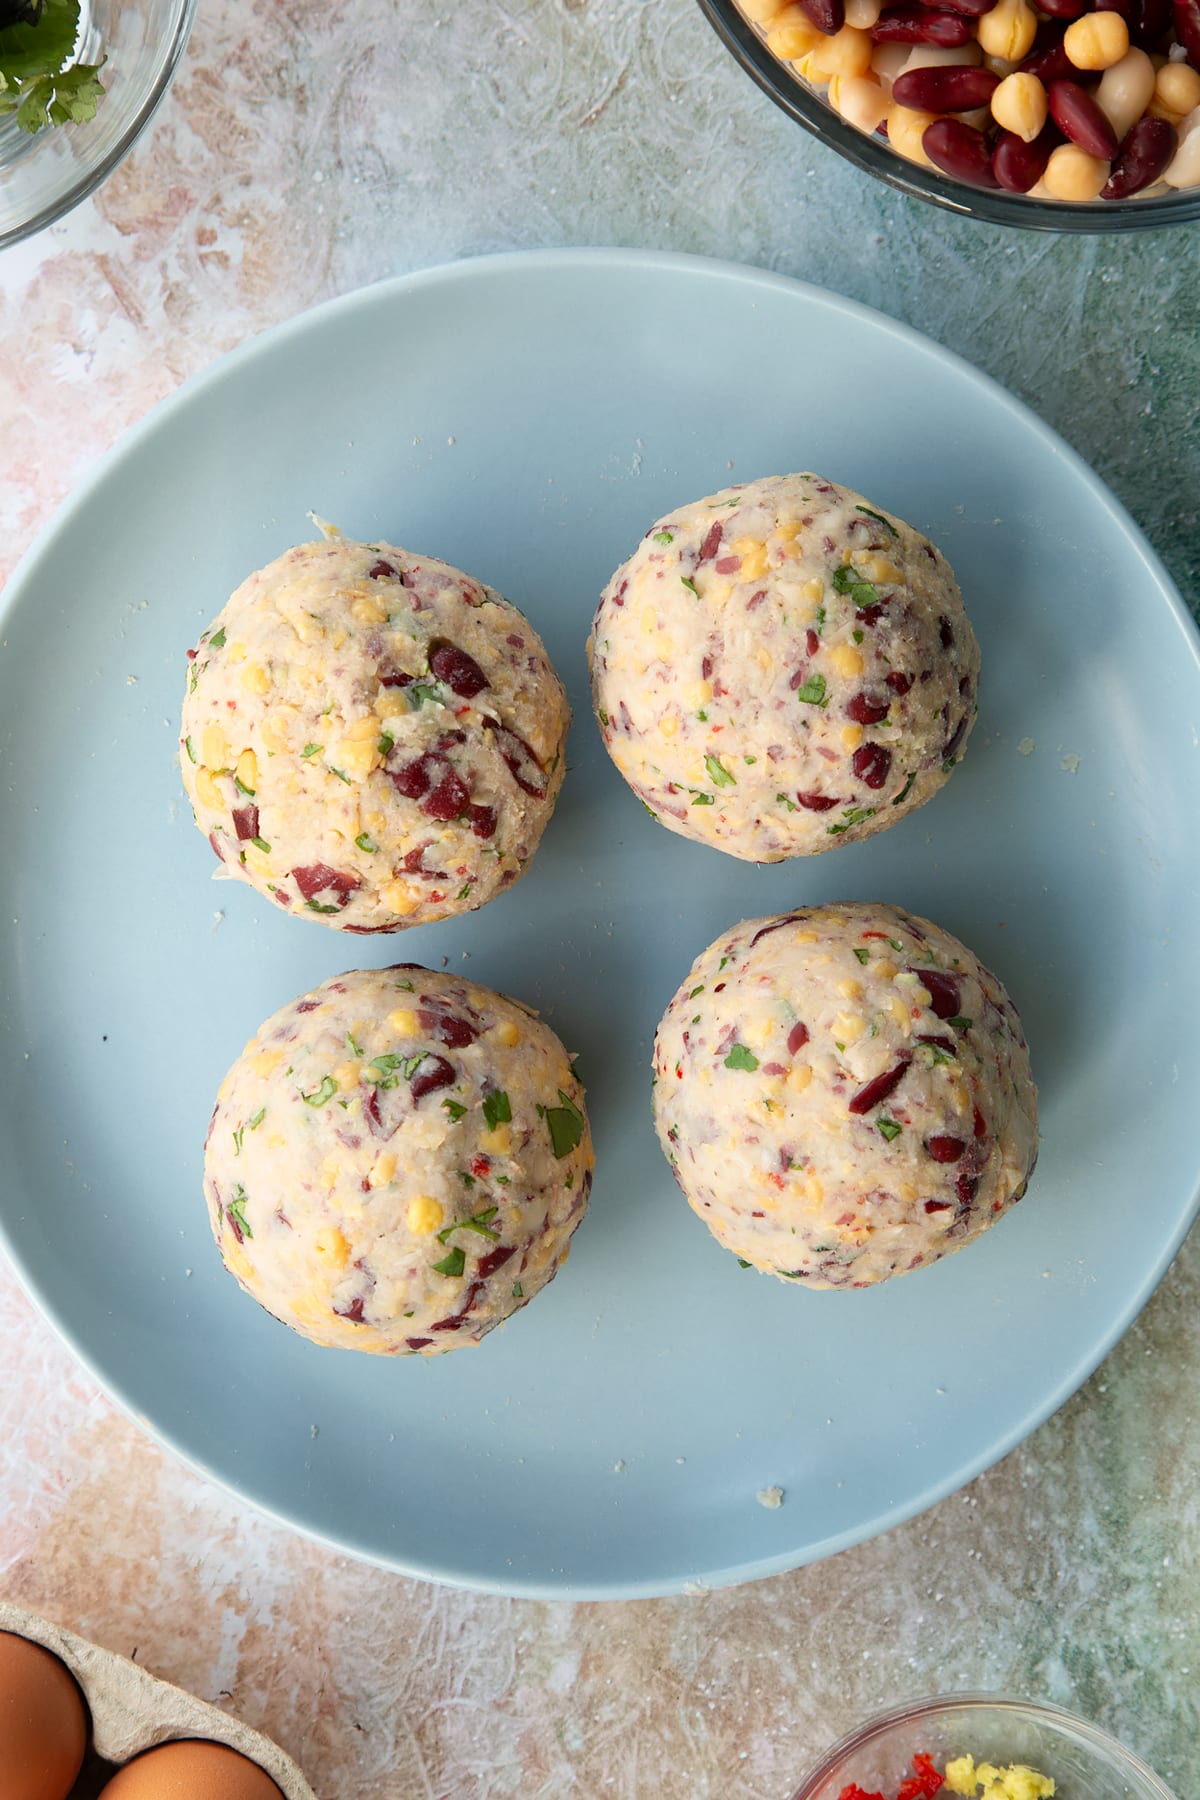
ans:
x=397 y=1161
x=373 y=739
x=781 y=668
x=844 y=1094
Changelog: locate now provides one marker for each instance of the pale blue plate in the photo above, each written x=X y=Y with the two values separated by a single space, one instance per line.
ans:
x=527 y=417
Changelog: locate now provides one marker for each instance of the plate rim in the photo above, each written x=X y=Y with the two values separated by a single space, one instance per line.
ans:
x=638 y=264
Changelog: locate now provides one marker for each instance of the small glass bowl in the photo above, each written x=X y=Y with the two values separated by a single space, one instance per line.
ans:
x=42 y=176
x=1084 y=1762
x=808 y=108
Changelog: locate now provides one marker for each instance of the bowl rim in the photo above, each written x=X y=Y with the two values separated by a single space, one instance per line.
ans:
x=920 y=183
x=1128 y=1763
x=91 y=177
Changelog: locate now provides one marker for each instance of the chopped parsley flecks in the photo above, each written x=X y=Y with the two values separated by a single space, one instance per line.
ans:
x=365 y=845
x=949 y=764
x=741 y=1058
x=690 y=585
x=456 y=1110
x=497 y=1109
x=879 y=519
x=338 y=773
x=565 y=1125
x=464 y=891
x=700 y=799
x=959 y=1023
x=187 y=744
x=664 y=537
x=237 y=1210
x=217 y=640
x=852 y=815
x=318 y=906
x=453 y=1263
x=241 y=787
x=261 y=844
x=905 y=791
x=743 y=1264
x=695 y=991
x=253 y=1123
x=782 y=800
x=889 y=1128
x=813 y=692
x=602 y=716
x=323 y=1095
x=311 y=750
x=862 y=953
x=719 y=773
x=479 y=1223
x=386 y=744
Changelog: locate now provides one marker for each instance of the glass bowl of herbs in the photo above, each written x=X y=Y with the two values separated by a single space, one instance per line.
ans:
x=79 y=80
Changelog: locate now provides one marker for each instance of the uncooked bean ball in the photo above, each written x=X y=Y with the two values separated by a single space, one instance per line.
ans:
x=372 y=739
x=782 y=668
x=844 y=1094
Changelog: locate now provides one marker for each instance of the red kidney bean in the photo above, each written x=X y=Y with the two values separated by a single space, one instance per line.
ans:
x=1145 y=151
x=1150 y=23
x=1065 y=9
x=827 y=15
x=1126 y=8
x=1018 y=166
x=1048 y=59
x=970 y=9
x=922 y=25
x=1079 y=118
x=959 y=150
x=945 y=90
x=1187 y=28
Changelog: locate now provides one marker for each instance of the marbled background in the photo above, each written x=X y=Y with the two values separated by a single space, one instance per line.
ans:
x=304 y=150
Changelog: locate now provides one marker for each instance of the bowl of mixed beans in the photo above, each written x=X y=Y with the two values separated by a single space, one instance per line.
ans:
x=1061 y=115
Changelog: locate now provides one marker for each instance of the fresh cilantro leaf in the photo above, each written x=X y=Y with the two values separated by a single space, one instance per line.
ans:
x=602 y=716
x=719 y=773
x=862 y=953
x=456 y=1110
x=853 y=815
x=338 y=773
x=353 y=1045
x=54 y=95
x=365 y=845
x=518 y=1291
x=695 y=991
x=385 y=744
x=237 y=1140
x=412 y=1064
x=948 y=764
x=187 y=744
x=664 y=537
x=879 y=518
x=690 y=585
x=312 y=750
x=217 y=640
x=861 y=592
x=741 y=1058
x=254 y=1123
x=743 y=1264
x=464 y=891
x=858 y=635
x=721 y=964
x=819 y=620
x=782 y=800
x=496 y=1109
x=905 y=791
x=453 y=1263
x=699 y=799
x=959 y=1023
x=813 y=691
x=889 y=1128
x=241 y=787
x=261 y=844
x=419 y=693
x=317 y=906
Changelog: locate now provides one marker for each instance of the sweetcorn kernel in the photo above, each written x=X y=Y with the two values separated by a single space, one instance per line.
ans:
x=332 y=1247
x=846 y=660
x=255 y=680
x=800 y=1077
x=329 y=1172
x=214 y=747
x=383 y=1170
x=753 y=553
x=507 y=1033
x=885 y=968
x=356 y=756
x=849 y=989
x=267 y=1061
x=425 y=1215
x=696 y=694
x=498 y=1141
x=813 y=589
x=207 y=791
x=852 y=736
x=399 y=898
x=404 y=1022
x=881 y=569
x=236 y=652
x=668 y=725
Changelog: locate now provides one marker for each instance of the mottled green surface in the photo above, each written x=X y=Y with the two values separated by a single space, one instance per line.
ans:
x=307 y=149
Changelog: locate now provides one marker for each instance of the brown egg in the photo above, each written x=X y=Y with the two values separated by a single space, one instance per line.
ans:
x=43 y=1722
x=191 y=1770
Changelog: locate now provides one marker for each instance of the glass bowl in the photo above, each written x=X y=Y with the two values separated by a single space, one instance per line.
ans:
x=808 y=108
x=42 y=176
x=1084 y=1762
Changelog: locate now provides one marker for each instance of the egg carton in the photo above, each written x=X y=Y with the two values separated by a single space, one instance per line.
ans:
x=133 y=1710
